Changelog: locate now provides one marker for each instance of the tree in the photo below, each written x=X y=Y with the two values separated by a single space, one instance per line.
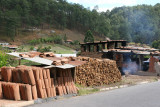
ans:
x=89 y=37
x=156 y=44
x=65 y=38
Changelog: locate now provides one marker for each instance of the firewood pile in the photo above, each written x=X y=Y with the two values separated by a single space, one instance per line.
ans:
x=29 y=83
x=97 y=72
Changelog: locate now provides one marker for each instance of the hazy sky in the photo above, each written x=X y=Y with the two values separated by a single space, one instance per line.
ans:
x=110 y=4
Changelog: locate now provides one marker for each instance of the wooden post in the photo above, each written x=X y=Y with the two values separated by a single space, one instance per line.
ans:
x=82 y=48
x=89 y=48
x=95 y=47
x=141 y=62
x=20 y=61
x=74 y=78
x=85 y=48
x=103 y=46
x=106 y=45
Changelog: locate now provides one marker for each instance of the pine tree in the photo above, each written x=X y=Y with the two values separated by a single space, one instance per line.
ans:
x=89 y=37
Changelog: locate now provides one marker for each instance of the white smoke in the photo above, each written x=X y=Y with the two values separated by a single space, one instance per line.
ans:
x=130 y=67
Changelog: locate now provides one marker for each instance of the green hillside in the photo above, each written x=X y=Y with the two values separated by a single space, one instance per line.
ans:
x=139 y=23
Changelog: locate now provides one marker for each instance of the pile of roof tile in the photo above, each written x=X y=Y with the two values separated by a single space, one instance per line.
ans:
x=29 y=83
x=65 y=84
x=47 y=54
x=29 y=54
x=155 y=53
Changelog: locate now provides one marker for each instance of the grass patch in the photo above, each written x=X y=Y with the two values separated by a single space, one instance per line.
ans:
x=61 y=49
x=55 y=48
x=29 y=63
x=86 y=90
x=15 y=63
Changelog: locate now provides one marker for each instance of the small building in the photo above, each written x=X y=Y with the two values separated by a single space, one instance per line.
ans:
x=125 y=56
x=69 y=41
x=3 y=43
x=98 y=46
x=11 y=47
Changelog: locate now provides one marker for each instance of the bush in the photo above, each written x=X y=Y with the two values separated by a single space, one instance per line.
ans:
x=156 y=44
x=31 y=48
x=53 y=39
x=3 y=59
x=45 y=49
x=75 y=42
x=57 y=39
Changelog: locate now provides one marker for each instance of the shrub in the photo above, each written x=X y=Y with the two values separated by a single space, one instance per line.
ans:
x=3 y=59
x=31 y=48
x=156 y=44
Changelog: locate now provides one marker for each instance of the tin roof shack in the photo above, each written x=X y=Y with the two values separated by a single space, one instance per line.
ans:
x=3 y=43
x=69 y=41
x=94 y=49
x=61 y=70
x=11 y=47
x=128 y=59
x=83 y=70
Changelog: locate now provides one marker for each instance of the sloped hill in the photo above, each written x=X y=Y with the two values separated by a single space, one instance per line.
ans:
x=27 y=36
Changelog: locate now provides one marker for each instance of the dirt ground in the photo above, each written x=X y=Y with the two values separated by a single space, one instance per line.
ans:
x=12 y=103
x=138 y=77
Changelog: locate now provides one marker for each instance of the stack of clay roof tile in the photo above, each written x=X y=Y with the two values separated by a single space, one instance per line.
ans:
x=65 y=84
x=33 y=82
x=45 y=84
x=155 y=53
x=57 y=61
x=47 y=54
x=27 y=83
x=29 y=54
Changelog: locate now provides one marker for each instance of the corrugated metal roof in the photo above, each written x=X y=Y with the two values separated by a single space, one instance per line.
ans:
x=42 y=61
x=65 y=55
x=103 y=42
x=34 y=59
x=66 y=66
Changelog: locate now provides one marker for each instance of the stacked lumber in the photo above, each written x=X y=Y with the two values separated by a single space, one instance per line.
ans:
x=96 y=72
x=65 y=84
x=151 y=64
